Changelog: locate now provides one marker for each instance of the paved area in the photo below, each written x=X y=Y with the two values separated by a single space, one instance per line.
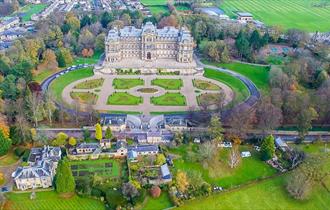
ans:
x=188 y=90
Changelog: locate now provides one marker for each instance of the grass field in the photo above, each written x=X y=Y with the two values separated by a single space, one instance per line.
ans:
x=257 y=74
x=158 y=9
x=169 y=99
x=50 y=200
x=300 y=14
x=269 y=194
x=90 y=84
x=41 y=76
x=58 y=84
x=205 y=85
x=92 y=60
x=8 y=159
x=168 y=84
x=30 y=10
x=163 y=202
x=104 y=167
x=127 y=83
x=251 y=168
x=182 y=7
x=154 y=2
x=122 y=98
x=84 y=97
x=240 y=90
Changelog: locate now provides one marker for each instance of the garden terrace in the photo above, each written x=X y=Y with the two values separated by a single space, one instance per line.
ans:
x=123 y=98
x=103 y=167
x=127 y=83
x=169 y=99
x=90 y=84
x=168 y=84
x=84 y=97
x=208 y=98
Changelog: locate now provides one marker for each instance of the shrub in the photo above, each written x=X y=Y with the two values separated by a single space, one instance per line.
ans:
x=19 y=151
x=155 y=191
x=26 y=154
x=72 y=141
x=5 y=144
x=60 y=139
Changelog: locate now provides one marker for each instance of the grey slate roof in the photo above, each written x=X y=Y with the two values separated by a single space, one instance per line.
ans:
x=144 y=148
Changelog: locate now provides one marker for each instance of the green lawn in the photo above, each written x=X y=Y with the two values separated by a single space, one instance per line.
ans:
x=158 y=9
x=41 y=76
x=182 y=7
x=168 y=84
x=269 y=194
x=163 y=202
x=122 y=98
x=205 y=85
x=90 y=84
x=8 y=159
x=82 y=60
x=50 y=200
x=257 y=74
x=84 y=97
x=30 y=10
x=169 y=99
x=127 y=83
x=58 y=84
x=251 y=168
x=240 y=90
x=154 y=2
x=300 y=14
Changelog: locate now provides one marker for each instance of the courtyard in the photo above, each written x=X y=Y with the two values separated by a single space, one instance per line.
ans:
x=145 y=93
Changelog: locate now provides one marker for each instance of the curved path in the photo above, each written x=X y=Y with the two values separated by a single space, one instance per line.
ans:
x=250 y=101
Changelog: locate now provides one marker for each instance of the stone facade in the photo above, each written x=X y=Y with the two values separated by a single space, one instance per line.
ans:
x=134 y=48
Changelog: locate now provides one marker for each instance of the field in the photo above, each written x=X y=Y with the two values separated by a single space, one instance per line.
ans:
x=92 y=60
x=220 y=174
x=50 y=200
x=269 y=194
x=103 y=167
x=8 y=159
x=240 y=90
x=300 y=14
x=257 y=74
x=30 y=10
x=122 y=98
x=127 y=83
x=168 y=84
x=90 y=84
x=84 y=97
x=58 y=84
x=169 y=99
x=205 y=85
x=154 y=2
x=158 y=9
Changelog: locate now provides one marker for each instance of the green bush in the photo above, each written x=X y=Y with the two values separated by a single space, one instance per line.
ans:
x=19 y=151
x=26 y=154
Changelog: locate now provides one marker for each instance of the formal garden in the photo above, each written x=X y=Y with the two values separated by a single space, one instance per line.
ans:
x=84 y=97
x=90 y=84
x=208 y=99
x=169 y=99
x=205 y=85
x=120 y=83
x=168 y=84
x=124 y=98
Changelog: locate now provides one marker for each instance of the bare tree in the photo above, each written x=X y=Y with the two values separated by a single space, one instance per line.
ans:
x=76 y=108
x=35 y=104
x=234 y=157
x=240 y=121
x=49 y=106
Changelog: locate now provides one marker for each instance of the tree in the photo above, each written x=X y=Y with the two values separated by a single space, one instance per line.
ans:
x=72 y=141
x=256 y=41
x=8 y=87
x=234 y=157
x=155 y=191
x=49 y=61
x=64 y=180
x=268 y=116
x=106 y=18
x=305 y=118
x=168 y=21
x=299 y=186
x=86 y=135
x=86 y=39
x=160 y=159
x=72 y=21
x=5 y=144
x=35 y=105
x=99 y=43
x=178 y=138
x=182 y=182
x=215 y=129
x=207 y=151
x=60 y=139
x=98 y=132
x=64 y=57
x=129 y=191
x=267 y=148
x=49 y=106
x=242 y=45
x=108 y=133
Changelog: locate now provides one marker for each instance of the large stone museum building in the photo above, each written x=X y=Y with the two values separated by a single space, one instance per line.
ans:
x=149 y=49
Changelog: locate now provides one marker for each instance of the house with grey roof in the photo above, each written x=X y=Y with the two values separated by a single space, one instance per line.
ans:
x=41 y=170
